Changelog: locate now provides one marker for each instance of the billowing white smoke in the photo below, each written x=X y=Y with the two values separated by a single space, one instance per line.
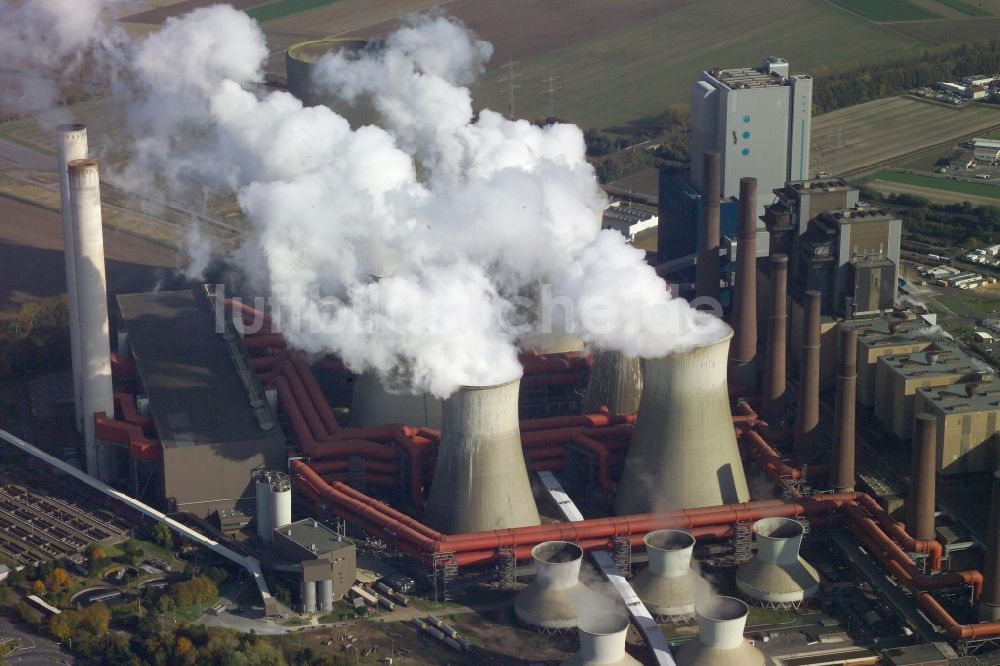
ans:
x=423 y=250
x=46 y=41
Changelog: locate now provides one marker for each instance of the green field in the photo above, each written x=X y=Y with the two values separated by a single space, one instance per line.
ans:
x=282 y=8
x=637 y=71
x=965 y=7
x=887 y=10
x=960 y=186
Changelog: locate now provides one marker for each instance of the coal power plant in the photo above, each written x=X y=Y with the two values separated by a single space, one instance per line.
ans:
x=775 y=471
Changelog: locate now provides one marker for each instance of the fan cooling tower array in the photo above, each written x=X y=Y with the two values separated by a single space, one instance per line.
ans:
x=683 y=452
x=720 y=641
x=480 y=479
x=776 y=576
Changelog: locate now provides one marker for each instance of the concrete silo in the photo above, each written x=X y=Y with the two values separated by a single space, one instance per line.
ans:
x=668 y=585
x=480 y=479
x=300 y=64
x=615 y=383
x=92 y=302
x=552 y=600
x=372 y=405
x=602 y=642
x=683 y=453
x=777 y=576
x=71 y=144
x=720 y=642
x=274 y=502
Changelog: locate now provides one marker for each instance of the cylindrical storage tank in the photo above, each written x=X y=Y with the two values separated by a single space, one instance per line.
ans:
x=720 y=642
x=300 y=66
x=308 y=597
x=71 y=144
x=615 y=383
x=92 y=301
x=683 y=453
x=552 y=600
x=667 y=586
x=602 y=641
x=281 y=499
x=480 y=479
x=262 y=492
x=777 y=576
x=325 y=595
x=372 y=405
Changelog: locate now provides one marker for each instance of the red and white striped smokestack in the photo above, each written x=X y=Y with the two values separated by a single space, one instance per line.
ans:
x=844 y=411
x=71 y=144
x=707 y=285
x=807 y=416
x=777 y=339
x=742 y=365
x=92 y=295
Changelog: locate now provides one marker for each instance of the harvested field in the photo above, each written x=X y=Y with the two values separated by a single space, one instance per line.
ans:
x=160 y=14
x=966 y=8
x=851 y=139
x=932 y=194
x=282 y=8
x=887 y=10
x=964 y=187
x=951 y=31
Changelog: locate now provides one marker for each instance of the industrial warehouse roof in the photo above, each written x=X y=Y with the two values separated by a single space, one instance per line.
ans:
x=950 y=360
x=313 y=535
x=747 y=77
x=196 y=396
x=955 y=399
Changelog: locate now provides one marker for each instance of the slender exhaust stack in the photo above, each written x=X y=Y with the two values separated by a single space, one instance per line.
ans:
x=553 y=599
x=742 y=362
x=667 y=585
x=707 y=285
x=844 y=411
x=777 y=339
x=92 y=295
x=71 y=144
x=777 y=577
x=989 y=604
x=920 y=501
x=807 y=416
x=615 y=383
x=602 y=641
x=683 y=453
x=480 y=479
x=721 y=621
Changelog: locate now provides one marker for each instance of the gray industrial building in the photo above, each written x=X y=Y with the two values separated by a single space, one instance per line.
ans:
x=325 y=561
x=799 y=201
x=205 y=401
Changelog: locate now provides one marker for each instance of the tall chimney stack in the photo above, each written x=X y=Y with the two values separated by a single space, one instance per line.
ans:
x=844 y=411
x=920 y=501
x=683 y=453
x=707 y=285
x=777 y=339
x=480 y=479
x=989 y=604
x=807 y=416
x=71 y=144
x=742 y=362
x=92 y=299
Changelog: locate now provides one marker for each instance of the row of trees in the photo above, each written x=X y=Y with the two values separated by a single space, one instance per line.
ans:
x=37 y=339
x=836 y=88
x=957 y=225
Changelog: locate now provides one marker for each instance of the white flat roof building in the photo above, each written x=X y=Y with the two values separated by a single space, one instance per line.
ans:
x=985 y=149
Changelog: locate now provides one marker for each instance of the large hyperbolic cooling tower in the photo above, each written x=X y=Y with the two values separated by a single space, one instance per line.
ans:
x=480 y=479
x=683 y=453
x=720 y=642
x=776 y=576
x=615 y=383
x=372 y=405
x=553 y=599
x=602 y=641
x=668 y=585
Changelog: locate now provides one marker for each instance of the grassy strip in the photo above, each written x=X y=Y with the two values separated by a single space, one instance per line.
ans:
x=282 y=8
x=960 y=186
x=965 y=7
x=887 y=10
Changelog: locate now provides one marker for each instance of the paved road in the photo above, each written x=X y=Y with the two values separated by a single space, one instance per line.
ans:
x=33 y=649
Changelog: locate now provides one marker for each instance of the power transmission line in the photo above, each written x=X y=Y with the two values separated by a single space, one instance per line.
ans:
x=509 y=79
x=550 y=90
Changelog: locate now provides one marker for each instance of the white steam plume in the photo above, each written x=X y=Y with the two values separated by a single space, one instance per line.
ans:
x=424 y=250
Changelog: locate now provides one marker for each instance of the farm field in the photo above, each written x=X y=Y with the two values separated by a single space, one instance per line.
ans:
x=887 y=10
x=950 y=31
x=932 y=194
x=930 y=182
x=281 y=8
x=851 y=139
